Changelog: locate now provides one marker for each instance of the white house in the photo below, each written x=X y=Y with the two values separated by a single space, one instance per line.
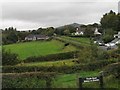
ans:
x=96 y=32
x=79 y=32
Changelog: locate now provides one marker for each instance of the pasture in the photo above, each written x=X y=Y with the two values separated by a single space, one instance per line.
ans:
x=82 y=40
x=38 y=48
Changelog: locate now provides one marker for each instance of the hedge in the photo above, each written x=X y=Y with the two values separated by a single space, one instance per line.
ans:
x=62 y=69
x=40 y=75
x=113 y=69
x=51 y=57
x=15 y=80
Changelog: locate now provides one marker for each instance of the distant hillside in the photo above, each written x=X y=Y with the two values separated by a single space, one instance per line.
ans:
x=73 y=25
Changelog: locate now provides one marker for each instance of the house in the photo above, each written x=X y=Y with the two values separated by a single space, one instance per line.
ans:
x=79 y=32
x=96 y=32
x=36 y=37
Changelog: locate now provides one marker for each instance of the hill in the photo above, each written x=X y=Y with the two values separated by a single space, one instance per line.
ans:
x=73 y=25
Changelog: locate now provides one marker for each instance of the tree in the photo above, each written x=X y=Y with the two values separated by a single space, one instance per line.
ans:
x=89 y=31
x=66 y=32
x=108 y=36
x=110 y=20
x=50 y=31
x=10 y=35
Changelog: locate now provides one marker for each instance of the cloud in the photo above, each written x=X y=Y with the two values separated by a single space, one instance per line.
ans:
x=25 y=15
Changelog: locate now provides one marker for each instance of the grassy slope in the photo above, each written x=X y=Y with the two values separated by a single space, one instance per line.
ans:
x=71 y=80
x=81 y=40
x=38 y=48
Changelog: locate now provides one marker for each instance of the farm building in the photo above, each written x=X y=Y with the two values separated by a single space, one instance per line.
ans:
x=36 y=37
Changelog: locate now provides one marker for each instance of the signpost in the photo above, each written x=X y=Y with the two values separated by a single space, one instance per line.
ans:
x=91 y=79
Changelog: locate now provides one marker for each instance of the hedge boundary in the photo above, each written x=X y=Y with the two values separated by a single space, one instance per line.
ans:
x=64 y=69
x=52 y=57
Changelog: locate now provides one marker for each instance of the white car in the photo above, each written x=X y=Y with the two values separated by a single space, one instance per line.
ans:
x=109 y=44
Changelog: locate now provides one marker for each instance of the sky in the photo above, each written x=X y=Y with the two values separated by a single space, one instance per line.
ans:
x=34 y=14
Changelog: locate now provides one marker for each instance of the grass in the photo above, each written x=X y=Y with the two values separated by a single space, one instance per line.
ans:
x=38 y=48
x=51 y=63
x=71 y=80
x=81 y=40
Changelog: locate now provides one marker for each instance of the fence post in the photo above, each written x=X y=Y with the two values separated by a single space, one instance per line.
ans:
x=80 y=83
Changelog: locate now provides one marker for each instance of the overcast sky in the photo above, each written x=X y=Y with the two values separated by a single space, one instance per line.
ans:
x=32 y=15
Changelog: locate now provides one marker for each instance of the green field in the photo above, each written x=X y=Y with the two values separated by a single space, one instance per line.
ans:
x=38 y=48
x=81 y=40
x=71 y=80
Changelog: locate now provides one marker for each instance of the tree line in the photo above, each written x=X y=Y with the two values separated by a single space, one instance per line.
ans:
x=109 y=25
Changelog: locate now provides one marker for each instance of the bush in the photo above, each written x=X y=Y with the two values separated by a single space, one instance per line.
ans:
x=51 y=57
x=21 y=80
x=9 y=58
x=63 y=69
x=113 y=69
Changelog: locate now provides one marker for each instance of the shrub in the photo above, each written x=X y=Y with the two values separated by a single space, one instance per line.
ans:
x=9 y=58
x=21 y=80
x=113 y=69
x=63 y=69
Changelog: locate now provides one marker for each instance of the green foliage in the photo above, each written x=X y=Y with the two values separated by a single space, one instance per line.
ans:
x=51 y=57
x=108 y=36
x=66 y=32
x=88 y=54
x=27 y=80
x=67 y=62
x=9 y=58
x=110 y=20
x=113 y=69
x=44 y=31
x=9 y=36
x=63 y=69
x=89 y=31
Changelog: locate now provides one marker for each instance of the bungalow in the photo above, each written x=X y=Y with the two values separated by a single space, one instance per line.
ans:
x=36 y=37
